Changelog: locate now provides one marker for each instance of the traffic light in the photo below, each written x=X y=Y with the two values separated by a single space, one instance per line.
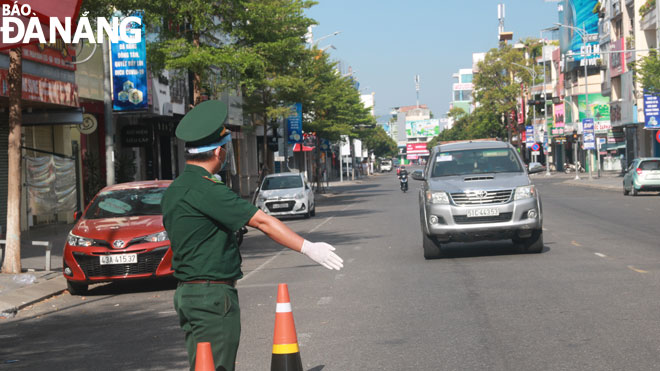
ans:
x=575 y=136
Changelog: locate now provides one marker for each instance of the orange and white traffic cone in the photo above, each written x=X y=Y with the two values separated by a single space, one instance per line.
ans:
x=286 y=355
x=204 y=357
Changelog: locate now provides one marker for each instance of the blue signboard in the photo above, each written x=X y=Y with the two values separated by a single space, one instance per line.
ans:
x=129 y=73
x=588 y=134
x=529 y=135
x=651 y=111
x=294 y=124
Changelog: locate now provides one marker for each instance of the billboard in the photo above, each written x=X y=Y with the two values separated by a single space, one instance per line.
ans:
x=417 y=149
x=651 y=111
x=129 y=73
x=579 y=14
x=599 y=107
x=422 y=128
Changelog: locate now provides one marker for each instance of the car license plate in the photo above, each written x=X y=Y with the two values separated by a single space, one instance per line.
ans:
x=653 y=176
x=118 y=259
x=475 y=213
x=280 y=206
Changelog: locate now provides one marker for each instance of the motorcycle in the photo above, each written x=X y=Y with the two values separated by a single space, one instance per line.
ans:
x=403 y=179
x=570 y=168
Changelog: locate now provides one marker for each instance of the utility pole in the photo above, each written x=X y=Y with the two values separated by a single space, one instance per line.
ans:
x=417 y=83
x=107 y=116
x=12 y=259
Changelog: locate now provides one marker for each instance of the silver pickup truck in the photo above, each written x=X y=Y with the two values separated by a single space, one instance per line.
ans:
x=478 y=190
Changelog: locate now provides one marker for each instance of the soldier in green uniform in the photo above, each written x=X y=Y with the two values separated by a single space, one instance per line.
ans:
x=201 y=216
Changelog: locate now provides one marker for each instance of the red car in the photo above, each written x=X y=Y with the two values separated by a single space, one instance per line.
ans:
x=119 y=236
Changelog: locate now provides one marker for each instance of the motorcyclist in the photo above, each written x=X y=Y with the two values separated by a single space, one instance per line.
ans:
x=403 y=173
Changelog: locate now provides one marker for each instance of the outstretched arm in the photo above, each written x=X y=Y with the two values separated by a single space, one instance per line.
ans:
x=320 y=252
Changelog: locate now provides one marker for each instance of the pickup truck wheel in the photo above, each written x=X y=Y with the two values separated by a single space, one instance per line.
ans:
x=533 y=244
x=431 y=247
x=76 y=288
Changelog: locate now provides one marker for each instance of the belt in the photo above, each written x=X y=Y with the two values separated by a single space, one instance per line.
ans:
x=231 y=283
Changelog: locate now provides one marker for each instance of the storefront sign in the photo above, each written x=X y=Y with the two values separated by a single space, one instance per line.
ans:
x=129 y=72
x=588 y=134
x=41 y=89
x=651 y=111
x=294 y=124
x=88 y=125
x=135 y=135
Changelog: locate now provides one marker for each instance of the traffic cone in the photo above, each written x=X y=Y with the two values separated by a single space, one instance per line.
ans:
x=204 y=357
x=286 y=355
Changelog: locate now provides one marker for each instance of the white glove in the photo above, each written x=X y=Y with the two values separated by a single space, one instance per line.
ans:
x=323 y=254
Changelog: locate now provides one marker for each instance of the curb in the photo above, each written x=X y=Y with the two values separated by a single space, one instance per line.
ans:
x=18 y=299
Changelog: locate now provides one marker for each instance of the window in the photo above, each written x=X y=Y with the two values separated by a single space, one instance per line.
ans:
x=282 y=182
x=476 y=161
x=466 y=78
x=126 y=202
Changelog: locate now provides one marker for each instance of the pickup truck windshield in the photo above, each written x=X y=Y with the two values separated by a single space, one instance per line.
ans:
x=476 y=161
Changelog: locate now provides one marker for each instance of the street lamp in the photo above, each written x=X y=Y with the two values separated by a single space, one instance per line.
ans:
x=583 y=34
x=532 y=72
x=325 y=37
x=545 y=100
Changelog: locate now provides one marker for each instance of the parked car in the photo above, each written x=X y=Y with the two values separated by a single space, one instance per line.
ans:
x=475 y=191
x=385 y=165
x=286 y=194
x=119 y=236
x=643 y=174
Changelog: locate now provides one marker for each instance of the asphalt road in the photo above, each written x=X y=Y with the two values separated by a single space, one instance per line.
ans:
x=587 y=302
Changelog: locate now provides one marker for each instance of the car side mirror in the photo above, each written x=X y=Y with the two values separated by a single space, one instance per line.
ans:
x=417 y=175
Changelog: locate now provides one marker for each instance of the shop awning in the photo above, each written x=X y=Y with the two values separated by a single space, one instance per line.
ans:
x=296 y=148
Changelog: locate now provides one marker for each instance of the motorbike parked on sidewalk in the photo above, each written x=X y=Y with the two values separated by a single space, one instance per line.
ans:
x=570 y=168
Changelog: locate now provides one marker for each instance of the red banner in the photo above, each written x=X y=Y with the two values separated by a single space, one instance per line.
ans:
x=40 y=89
x=417 y=149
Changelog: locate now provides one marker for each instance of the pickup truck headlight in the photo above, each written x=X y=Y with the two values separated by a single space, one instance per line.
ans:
x=525 y=192
x=74 y=240
x=437 y=198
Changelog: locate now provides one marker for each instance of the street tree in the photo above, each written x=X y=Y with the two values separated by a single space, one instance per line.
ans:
x=648 y=70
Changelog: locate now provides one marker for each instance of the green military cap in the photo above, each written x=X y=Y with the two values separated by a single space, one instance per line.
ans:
x=203 y=127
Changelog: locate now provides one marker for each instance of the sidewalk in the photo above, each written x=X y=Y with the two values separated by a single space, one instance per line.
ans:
x=607 y=181
x=35 y=283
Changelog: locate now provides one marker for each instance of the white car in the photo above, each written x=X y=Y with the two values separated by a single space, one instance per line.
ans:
x=285 y=194
x=385 y=165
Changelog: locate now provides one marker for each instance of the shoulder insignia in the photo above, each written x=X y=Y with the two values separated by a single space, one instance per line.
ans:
x=213 y=179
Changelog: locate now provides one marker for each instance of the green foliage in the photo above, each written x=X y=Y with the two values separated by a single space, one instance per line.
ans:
x=646 y=7
x=648 y=72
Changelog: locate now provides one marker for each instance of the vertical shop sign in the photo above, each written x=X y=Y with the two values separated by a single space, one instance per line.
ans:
x=129 y=73
x=588 y=133
x=294 y=124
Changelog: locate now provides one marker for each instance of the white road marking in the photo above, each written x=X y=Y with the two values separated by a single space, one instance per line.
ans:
x=168 y=312
x=339 y=276
x=600 y=255
x=350 y=260
x=358 y=247
x=324 y=300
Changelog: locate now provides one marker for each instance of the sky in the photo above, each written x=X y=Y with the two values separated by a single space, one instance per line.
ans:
x=388 y=42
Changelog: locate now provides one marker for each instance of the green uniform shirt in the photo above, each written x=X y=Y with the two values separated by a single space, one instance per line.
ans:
x=201 y=216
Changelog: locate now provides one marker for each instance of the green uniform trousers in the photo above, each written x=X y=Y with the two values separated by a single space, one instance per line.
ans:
x=210 y=312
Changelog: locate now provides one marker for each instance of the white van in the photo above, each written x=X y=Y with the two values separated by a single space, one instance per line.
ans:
x=385 y=165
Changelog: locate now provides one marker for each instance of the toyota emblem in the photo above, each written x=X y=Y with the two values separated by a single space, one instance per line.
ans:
x=118 y=244
x=482 y=194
